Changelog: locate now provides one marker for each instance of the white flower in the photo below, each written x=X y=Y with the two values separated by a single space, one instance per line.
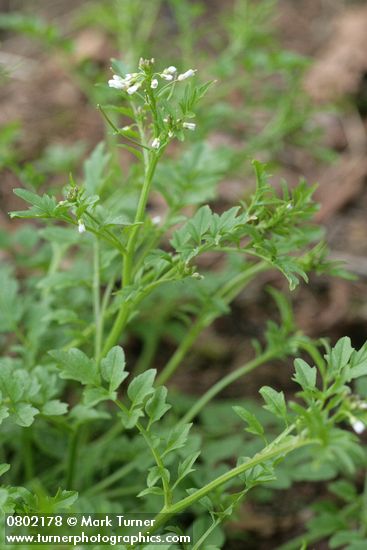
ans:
x=189 y=125
x=130 y=76
x=187 y=74
x=156 y=220
x=81 y=226
x=117 y=82
x=170 y=134
x=132 y=89
x=169 y=72
x=156 y=143
x=154 y=84
x=126 y=83
x=358 y=426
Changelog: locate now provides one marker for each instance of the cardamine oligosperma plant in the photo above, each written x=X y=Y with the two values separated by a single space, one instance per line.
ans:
x=103 y=267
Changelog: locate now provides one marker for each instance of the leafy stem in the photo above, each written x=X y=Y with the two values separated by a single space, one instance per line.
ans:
x=166 y=488
x=269 y=452
x=150 y=163
x=139 y=218
x=123 y=314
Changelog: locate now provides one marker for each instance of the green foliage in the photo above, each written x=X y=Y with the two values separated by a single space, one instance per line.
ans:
x=75 y=365
x=113 y=367
x=305 y=375
x=275 y=402
x=254 y=426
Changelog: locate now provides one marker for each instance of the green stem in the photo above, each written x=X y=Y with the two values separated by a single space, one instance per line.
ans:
x=72 y=457
x=166 y=488
x=105 y=301
x=363 y=513
x=158 y=460
x=123 y=314
x=96 y=301
x=236 y=285
x=206 y=534
x=185 y=345
x=150 y=243
x=105 y=234
x=267 y=453
x=111 y=479
x=27 y=452
x=139 y=217
x=226 y=381
x=117 y=328
x=57 y=254
x=150 y=163
x=123 y=491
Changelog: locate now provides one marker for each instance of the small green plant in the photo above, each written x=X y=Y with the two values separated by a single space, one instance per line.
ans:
x=104 y=268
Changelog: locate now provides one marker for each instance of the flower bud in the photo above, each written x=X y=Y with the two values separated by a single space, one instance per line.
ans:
x=116 y=82
x=132 y=89
x=187 y=74
x=189 y=126
x=358 y=426
x=156 y=143
x=81 y=226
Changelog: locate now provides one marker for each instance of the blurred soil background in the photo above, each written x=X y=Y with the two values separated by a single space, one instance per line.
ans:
x=43 y=95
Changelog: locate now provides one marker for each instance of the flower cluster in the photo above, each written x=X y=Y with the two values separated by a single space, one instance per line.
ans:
x=131 y=82
x=170 y=73
x=148 y=79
